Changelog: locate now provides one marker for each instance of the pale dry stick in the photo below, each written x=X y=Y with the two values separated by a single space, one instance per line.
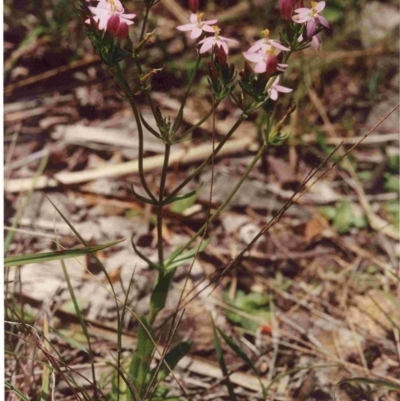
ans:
x=33 y=233
x=376 y=222
x=34 y=156
x=150 y=163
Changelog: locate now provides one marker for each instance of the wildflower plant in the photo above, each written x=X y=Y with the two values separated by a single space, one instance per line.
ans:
x=254 y=90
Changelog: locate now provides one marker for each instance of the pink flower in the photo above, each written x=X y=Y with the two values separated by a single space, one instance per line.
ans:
x=264 y=53
x=275 y=88
x=216 y=40
x=311 y=17
x=264 y=61
x=197 y=26
x=105 y=9
x=266 y=43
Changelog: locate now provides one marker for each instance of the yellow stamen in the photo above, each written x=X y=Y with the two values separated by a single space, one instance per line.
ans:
x=199 y=17
x=217 y=30
x=265 y=33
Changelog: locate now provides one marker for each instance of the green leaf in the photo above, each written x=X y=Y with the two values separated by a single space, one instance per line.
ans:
x=171 y=263
x=160 y=291
x=182 y=202
x=252 y=304
x=221 y=361
x=344 y=218
x=70 y=340
x=16 y=391
x=141 y=359
x=241 y=354
x=57 y=255
x=172 y=359
x=392 y=183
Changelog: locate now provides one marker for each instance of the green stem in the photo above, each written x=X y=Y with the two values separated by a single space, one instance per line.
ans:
x=160 y=247
x=146 y=17
x=178 y=119
x=119 y=77
x=209 y=158
x=145 y=90
x=227 y=200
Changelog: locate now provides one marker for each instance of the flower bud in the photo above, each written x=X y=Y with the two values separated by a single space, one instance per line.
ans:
x=212 y=72
x=113 y=24
x=122 y=31
x=194 y=6
x=220 y=55
x=272 y=64
x=286 y=9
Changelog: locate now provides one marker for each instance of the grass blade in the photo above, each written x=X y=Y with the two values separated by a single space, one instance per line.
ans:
x=221 y=361
x=241 y=354
x=56 y=255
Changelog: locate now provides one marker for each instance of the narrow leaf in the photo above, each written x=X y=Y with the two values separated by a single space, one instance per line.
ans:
x=221 y=361
x=172 y=359
x=160 y=291
x=57 y=255
x=172 y=262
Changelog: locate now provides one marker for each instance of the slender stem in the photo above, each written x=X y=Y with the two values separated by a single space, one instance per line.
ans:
x=125 y=87
x=209 y=158
x=178 y=119
x=160 y=247
x=146 y=17
x=141 y=151
x=146 y=93
x=227 y=200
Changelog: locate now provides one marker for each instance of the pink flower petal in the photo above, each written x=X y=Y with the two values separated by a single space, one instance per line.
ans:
x=256 y=47
x=311 y=27
x=193 y=19
x=320 y=6
x=253 y=57
x=261 y=67
x=322 y=20
x=283 y=89
x=196 y=32
x=210 y=22
x=280 y=46
x=207 y=45
x=273 y=94
x=184 y=28
x=302 y=10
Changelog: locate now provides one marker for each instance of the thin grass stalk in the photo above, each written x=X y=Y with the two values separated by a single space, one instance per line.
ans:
x=198 y=170
x=82 y=323
x=227 y=200
x=179 y=116
x=145 y=19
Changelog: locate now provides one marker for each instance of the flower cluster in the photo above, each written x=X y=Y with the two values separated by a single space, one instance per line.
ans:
x=294 y=10
x=109 y=15
x=197 y=26
x=264 y=53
